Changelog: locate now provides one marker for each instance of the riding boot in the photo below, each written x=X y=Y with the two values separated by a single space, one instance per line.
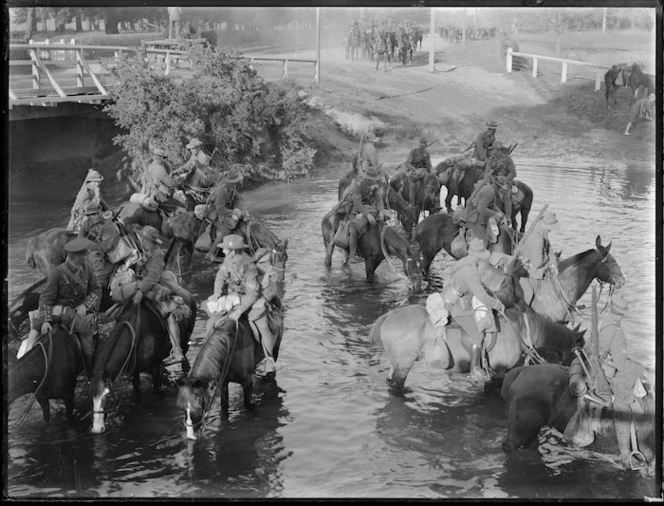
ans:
x=28 y=343
x=176 y=355
x=268 y=340
x=352 y=240
x=475 y=364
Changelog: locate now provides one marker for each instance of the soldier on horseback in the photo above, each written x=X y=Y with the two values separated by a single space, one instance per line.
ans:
x=198 y=160
x=89 y=192
x=104 y=236
x=418 y=165
x=535 y=255
x=160 y=285
x=237 y=290
x=367 y=205
x=71 y=292
x=485 y=140
x=158 y=185
x=482 y=214
x=501 y=164
x=467 y=300
x=225 y=208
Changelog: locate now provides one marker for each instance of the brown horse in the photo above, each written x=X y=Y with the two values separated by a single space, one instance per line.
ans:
x=437 y=232
x=556 y=296
x=408 y=335
x=46 y=251
x=229 y=354
x=427 y=195
x=377 y=243
x=538 y=396
x=462 y=189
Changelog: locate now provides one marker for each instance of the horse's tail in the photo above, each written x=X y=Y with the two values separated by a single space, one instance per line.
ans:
x=29 y=253
x=374 y=332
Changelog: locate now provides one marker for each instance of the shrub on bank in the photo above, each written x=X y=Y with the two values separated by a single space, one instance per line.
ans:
x=243 y=120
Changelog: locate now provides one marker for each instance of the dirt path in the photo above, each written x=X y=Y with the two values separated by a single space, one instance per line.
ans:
x=567 y=123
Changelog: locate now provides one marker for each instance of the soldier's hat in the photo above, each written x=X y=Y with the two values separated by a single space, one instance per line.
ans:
x=492 y=124
x=78 y=245
x=159 y=152
x=500 y=182
x=619 y=304
x=92 y=208
x=151 y=234
x=476 y=248
x=93 y=175
x=372 y=173
x=550 y=221
x=423 y=141
x=233 y=176
x=194 y=143
x=233 y=241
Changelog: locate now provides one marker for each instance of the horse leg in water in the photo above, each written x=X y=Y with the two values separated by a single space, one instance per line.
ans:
x=223 y=394
x=136 y=382
x=45 y=405
x=247 y=389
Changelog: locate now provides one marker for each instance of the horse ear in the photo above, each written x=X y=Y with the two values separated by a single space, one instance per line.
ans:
x=607 y=247
x=598 y=242
x=285 y=243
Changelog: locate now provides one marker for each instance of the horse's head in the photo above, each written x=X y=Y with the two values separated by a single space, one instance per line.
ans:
x=608 y=270
x=498 y=284
x=195 y=397
x=278 y=258
x=431 y=200
x=412 y=265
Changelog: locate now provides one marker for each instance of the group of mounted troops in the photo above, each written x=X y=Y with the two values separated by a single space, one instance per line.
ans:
x=382 y=40
x=487 y=215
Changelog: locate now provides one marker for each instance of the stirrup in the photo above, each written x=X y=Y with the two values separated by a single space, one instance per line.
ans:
x=637 y=461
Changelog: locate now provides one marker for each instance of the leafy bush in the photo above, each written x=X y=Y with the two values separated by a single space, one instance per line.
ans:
x=250 y=124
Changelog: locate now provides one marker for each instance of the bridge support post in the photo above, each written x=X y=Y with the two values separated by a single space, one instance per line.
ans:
x=509 y=60
x=80 y=73
x=285 y=74
x=534 y=67
x=563 y=77
x=35 y=72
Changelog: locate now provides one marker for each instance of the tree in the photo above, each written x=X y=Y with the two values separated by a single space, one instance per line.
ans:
x=30 y=23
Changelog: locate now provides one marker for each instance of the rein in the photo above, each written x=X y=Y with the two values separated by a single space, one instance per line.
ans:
x=47 y=365
x=530 y=350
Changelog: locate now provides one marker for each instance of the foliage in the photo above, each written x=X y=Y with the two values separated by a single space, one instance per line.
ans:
x=253 y=125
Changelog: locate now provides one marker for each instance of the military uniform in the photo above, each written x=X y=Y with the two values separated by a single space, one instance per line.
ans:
x=105 y=237
x=238 y=275
x=418 y=165
x=158 y=183
x=483 y=143
x=501 y=164
x=89 y=193
x=480 y=210
x=225 y=199
x=535 y=252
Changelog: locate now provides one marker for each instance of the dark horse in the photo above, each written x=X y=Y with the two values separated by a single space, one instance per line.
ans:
x=538 y=396
x=377 y=243
x=464 y=188
x=46 y=251
x=406 y=214
x=210 y=36
x=637 y=80
x=49 y=370
x=611 y=77
x=137 y=343
x=437 y=232
x=229 y=354
x=427 y=196
x=407 y=334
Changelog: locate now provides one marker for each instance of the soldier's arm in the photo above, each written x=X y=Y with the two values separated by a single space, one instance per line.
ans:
x=251 y=288
x=49 y=295
x=220 y=280
x=409 y=160
x=484 y=203
x=475 y=286
x=155 y=267
x=109 y=237
x=427 y=158
x=480 y=150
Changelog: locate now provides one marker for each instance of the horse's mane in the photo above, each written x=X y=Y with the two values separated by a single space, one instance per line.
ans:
x=259 y=236
x=546 y=333
x=208 y=364
x=573 y=260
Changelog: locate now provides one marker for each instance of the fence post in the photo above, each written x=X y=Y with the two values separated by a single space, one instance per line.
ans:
x=46 y=55
x=563 y=77
x=509 y=60
x=71 y=54
x=168 y=63
x=285 y=69
x=534 y=67
x=35 y=70
x=62 y=52
x=80 y=75
x=316 y=74
x=598 y=80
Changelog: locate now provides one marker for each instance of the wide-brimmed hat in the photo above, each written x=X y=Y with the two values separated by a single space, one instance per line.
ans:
x=93 y=175
x=233 y=176
x=550 y=221
x=78 y=245
x=371 y=172
x=492 y=124
x=423 y=140
x=233 y=241
x=371 y=137
x=477 y=249
x=500 y=182
x=194 y=143
x=92 y=208
x=151 y=234
x=159 y=152
x=619 y=304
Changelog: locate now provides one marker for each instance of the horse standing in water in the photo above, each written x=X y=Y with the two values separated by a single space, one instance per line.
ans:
x=49 y=370
x=437 y=231
x=229 y=354
x=538 y=396
x=137 y=343
x=376 y=244
x=556 y=296
x=427 y=196
x=408 y=335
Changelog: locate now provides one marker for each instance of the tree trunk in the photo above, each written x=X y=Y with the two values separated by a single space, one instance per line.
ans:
x=79 y=23
x=111 y=21
x=604 y=20
x=30 y=25
x=559 y=43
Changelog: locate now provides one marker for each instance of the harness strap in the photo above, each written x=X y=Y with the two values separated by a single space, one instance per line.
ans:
x=636 y=459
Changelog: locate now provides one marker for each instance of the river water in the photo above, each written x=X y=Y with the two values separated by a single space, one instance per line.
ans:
x=331 y=429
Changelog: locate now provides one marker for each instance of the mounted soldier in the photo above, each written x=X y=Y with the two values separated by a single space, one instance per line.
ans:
x=70 y=297
x=225 y=209
x=467 y=300
x=535 y=254
x=89 y=192
x=418 y=165
x=367 y=198
x=105 y=238
x=482 y=214
x=237 y=289
x=484 y=141
x=159 y=188
x=196 y=176
x=500 y=163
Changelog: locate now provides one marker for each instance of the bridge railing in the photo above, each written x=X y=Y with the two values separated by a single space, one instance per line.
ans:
x=600 y=70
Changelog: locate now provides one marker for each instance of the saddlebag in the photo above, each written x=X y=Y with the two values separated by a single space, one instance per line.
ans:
x=340 y=239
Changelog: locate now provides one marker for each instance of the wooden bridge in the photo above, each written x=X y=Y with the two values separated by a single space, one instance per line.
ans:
x=51 y=74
